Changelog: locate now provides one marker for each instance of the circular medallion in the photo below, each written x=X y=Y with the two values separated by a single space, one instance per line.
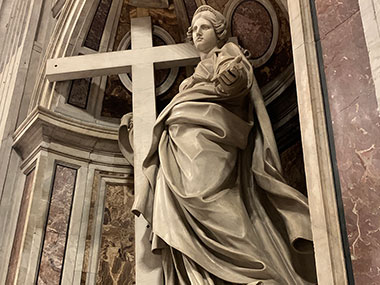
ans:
x=164 y=78
x=255 y=24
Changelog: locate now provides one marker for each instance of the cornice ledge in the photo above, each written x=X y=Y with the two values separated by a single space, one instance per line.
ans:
x=45 y=126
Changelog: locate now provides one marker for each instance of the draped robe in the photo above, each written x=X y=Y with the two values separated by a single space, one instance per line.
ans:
x=219 y=208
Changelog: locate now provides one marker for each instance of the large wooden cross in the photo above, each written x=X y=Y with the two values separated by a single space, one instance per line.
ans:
x=141 y=60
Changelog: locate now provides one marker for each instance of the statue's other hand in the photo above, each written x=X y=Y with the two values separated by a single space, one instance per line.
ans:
x=126 y=137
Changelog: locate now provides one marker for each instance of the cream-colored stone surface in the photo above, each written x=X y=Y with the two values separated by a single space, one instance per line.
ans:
x=370 y=13
x=69 y=33
x=29 y=26
x=321 y=192
x=74 y=274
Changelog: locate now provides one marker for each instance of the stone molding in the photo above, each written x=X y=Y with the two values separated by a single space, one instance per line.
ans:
x=330 y=263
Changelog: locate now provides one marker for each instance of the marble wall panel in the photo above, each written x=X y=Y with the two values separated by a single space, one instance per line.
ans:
x=21 y=224
x=116 y=256
x=95 y=33
x=79 y=92
x=356 y=130
x=56 y=231
x=117 y=252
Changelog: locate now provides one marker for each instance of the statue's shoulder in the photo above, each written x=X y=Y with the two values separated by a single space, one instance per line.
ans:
x=231 y=48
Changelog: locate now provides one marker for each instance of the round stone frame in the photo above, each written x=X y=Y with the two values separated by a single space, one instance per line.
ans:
x=167 y=39
x=229 y=12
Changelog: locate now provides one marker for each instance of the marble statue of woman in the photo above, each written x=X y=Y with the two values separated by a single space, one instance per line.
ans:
x=219 y=208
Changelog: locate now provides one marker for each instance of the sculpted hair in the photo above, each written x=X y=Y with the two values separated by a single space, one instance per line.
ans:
x=217 y=20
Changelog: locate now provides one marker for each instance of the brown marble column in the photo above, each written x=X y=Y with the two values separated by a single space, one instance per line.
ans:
x=117 y=249
x=356 y=130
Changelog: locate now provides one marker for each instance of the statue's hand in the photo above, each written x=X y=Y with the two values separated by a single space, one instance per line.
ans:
x=130 y=124
x=232 y=78
x=230 y=73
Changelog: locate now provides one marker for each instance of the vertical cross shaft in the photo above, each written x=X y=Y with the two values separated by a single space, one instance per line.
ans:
x=144 y=115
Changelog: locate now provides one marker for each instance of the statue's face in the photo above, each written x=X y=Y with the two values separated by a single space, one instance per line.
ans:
x=204 y=36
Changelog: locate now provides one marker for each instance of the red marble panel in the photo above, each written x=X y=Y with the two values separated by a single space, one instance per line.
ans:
x=356 y=128
x=251 y=23
x=54 y=244
x=21 y=224
x=332 y=13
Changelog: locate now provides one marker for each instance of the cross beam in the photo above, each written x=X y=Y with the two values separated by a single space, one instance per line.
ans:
x=100 y=64
x=141 y=61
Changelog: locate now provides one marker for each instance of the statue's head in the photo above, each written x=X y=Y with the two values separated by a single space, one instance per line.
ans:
x=207 y=16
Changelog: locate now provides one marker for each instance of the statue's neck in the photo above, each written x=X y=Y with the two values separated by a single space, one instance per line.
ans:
x=204 y=55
